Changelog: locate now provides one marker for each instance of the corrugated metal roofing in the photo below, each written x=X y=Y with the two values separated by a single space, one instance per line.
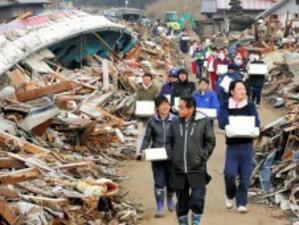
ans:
x=247 y=4
x=18 y=2
x=33 y=1
x=209 y=6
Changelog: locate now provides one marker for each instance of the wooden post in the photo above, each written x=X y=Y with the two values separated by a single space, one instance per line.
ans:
x=105 y=74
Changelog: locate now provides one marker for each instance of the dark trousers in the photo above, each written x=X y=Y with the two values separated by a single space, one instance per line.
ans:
x=238 y=163
x=190 y=199
x=256 y=94
x=199 y=70
x=163 y=175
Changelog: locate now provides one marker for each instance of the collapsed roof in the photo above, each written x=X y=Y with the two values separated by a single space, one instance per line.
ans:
x=70 y=35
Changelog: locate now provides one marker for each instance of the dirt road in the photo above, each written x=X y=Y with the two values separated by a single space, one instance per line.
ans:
x=140 y=186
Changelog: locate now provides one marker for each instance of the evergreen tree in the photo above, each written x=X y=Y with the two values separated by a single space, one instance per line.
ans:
x=236 y=8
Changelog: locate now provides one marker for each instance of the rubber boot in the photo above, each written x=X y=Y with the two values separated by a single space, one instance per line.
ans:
x=170 y=202
x=159 y=193
x=183 y=220
x=196 y=219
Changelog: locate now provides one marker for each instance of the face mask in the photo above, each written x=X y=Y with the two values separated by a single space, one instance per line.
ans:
x=221 y=56
x=238 y=61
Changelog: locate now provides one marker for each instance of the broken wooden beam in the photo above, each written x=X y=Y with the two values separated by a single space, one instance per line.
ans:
x=8 y=163
x=19 y=176
x=5 y=191
x=8 y=212
x=27 y=95
x=73 y=165
x=8 y=139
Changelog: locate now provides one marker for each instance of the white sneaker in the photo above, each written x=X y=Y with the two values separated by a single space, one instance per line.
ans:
x=229 y=203
x=242 y=209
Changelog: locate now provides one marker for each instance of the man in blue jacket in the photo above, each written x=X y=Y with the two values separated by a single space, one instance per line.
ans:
x=172 y=79
x=232 y=74
x=204 y=97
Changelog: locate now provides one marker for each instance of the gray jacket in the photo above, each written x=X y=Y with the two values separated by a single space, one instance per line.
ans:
x=190 y=144
x=156 y=130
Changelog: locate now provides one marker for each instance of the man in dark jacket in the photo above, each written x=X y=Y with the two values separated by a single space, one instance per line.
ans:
x=183 y=88
x=256 y=83
x=189 y=144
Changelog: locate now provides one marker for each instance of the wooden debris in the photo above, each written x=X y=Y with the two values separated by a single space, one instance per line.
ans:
x=41 y=167
x=8 y=212
x=24 y=95
x=19 y=176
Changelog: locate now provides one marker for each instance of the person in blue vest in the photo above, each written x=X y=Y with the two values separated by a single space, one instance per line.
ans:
x=239 y=151
x=155 y=137
x=205 y=97
x=232 y=74
x=172 y=79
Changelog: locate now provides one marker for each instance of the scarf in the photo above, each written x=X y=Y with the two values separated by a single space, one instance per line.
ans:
x=232 y=104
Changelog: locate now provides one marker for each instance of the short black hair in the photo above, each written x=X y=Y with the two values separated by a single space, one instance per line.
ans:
x=183 y=71
x=148 y=75
x=203 y=79
x=233 y=84
x=159 y=100
x=190 y=102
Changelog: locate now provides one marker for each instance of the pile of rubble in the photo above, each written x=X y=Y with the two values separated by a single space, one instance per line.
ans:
x=277 y=164
x=64 y=131
x=275 y=176
x=282 y=87
x=61 y=137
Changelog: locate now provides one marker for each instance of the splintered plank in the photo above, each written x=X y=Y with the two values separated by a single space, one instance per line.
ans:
x=7 y=163
x=27 y=147
x=73 y=165
x=27 y=95
x=19 y=176
x=8 y=192
x=7 y=212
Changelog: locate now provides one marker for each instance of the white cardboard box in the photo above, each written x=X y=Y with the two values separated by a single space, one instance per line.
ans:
x=168 y=97
x=145 y=108
x=155 y=154
x=242 y=126
x=176 y=103
x=222 y=69
x=205 y=112
x=205 y=63
x=225 y=83
x=257 y=69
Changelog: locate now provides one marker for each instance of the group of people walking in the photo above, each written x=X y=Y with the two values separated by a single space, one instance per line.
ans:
x=190 y=140
x=212 y=60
